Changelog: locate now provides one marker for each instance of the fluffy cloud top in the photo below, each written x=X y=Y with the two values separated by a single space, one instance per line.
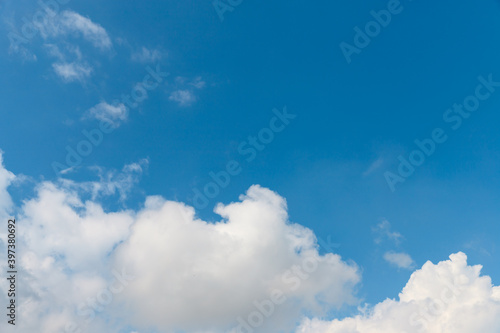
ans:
x=64 y=244
x=162 y=268
x=78 y=261
x=450 y=297
x=186 y=266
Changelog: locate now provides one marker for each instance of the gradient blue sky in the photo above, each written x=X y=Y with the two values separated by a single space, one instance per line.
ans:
x=353 y=120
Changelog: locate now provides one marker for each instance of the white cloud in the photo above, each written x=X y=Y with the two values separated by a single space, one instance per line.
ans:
x=70 y=72
x=85 y=223
x=189 y=273
x=201 y=276
x=450 y=297
x=399 y=259
x=114 y=114
x=384 y=231
x=62 y=54
x=91 y=31
x=184 y=93
x=71 y=23
x=110 y=181
x=146 y=55
x=198 y=83
x=195 y=275
x=211 y=273
x=69 y=66
x=6 y=179
x=54 y=51
x=183 y=97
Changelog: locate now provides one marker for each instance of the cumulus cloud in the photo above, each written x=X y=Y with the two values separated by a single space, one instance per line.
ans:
x=70 y=72
x=113 y=114
x=160 y=266
x=49 y=237
x=65 y=244
x=218 y=270
x=449 y=297
x=399 y=259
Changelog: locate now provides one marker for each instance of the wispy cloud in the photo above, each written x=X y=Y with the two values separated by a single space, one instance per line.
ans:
x=146 y=55
x=54 y=51
x=384 y=234
x=198 y=83
x=71 y=23
x=374 y=166
x=114 y=114
x=383 y=231
x=111 y=182
x=70 y=66
x=183 y=97
x=70 y=72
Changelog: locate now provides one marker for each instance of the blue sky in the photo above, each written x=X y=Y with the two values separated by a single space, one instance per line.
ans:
x=222 y=81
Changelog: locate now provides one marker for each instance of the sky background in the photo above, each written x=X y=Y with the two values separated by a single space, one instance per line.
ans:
x=225 y=78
